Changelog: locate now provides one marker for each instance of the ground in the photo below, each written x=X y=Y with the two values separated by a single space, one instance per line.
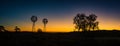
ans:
x=97 y=38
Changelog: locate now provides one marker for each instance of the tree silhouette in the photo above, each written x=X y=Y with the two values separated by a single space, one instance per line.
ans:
x=45 y=21
x=86 y=23
x=92 y=24
x=83 y=21
x=80 y=22
x=75 y=21
x=33 y=19
x=39 y=30
x=2 y=29
x=17 y=29
x=95 y=26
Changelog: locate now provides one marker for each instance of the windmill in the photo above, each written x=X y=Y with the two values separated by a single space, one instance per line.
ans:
x=45 y=21
x=33 y=19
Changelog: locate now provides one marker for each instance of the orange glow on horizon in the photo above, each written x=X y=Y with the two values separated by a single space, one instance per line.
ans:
x=66 y=24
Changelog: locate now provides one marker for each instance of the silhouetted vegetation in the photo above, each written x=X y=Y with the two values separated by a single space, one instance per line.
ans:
x=2 y=29
x=17 y=29
x=86 y=23
x=39 y=30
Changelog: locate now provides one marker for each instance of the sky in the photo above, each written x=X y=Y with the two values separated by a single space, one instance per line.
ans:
x=60 y=13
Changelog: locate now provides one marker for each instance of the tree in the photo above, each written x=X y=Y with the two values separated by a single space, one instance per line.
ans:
x=95 y=26
x=80 y=21
x=2 y=29
x=33 y=19
x=45 y=21
x=85 y=23
x=92 y=24
x=39 y=30
x=17 y=29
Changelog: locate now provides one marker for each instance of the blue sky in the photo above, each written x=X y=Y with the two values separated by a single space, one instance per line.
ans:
x=19 y=11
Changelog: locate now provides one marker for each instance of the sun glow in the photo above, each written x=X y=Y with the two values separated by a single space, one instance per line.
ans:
x=67 y=25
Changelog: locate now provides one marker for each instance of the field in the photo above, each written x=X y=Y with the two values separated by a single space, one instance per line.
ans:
x=97 y=38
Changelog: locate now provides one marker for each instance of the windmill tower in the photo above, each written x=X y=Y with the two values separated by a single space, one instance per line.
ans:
x=33 y=19
x=45 y=21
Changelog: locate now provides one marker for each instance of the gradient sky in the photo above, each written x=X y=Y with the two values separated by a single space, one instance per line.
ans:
x=60 y=13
